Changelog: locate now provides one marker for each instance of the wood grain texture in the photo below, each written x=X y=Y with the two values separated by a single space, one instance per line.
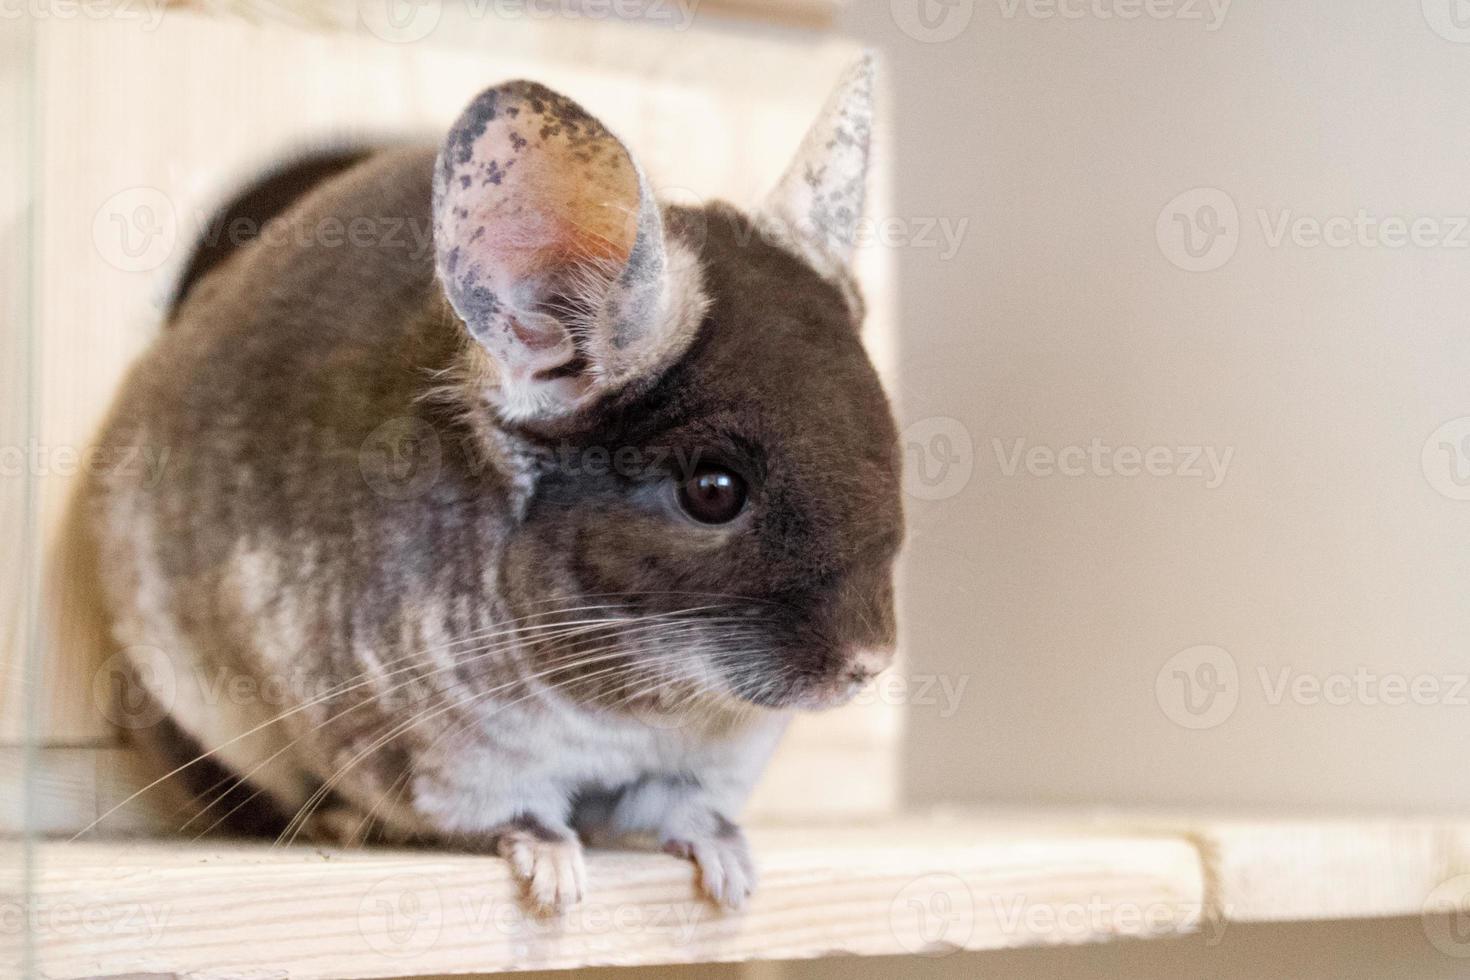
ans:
x=16 y=201
x=897 y=887
x=172 y=118
x=902 y=886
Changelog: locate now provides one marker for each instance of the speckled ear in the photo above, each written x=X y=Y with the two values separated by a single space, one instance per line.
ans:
x=820 y=198
x=550 y=247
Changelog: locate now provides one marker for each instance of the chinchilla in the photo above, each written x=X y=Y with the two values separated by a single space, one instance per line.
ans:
x=507 y=507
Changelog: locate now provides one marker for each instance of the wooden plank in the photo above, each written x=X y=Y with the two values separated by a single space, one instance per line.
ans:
x=1285 y=870
x=898 y=887
x=72 y=787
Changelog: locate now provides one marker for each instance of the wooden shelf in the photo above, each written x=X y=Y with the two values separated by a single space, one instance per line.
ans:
x=904 y=886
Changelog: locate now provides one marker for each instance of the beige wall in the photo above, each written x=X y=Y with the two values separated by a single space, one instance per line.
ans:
x=1063 y=317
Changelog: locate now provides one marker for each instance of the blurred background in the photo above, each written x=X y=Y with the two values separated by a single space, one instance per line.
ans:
x=1169 y=293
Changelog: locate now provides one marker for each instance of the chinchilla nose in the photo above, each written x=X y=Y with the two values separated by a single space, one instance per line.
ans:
x=865 y=663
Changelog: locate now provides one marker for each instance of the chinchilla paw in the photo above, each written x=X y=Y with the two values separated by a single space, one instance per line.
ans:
x=726 y=870
x=551 y=870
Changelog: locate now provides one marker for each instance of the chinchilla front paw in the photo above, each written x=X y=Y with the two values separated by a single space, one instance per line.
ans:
x=547 y=862
x=726 y=870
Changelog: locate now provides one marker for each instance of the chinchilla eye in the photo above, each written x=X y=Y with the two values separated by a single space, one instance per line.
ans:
x=712 y=495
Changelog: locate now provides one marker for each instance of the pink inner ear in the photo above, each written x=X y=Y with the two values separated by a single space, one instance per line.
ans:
x=529 y=186
x=549 y=247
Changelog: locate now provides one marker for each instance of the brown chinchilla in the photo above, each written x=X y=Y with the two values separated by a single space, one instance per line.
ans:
x=528 y=507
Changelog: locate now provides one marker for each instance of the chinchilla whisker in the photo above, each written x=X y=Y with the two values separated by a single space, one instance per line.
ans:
x=340 y=690
x=506 y=630
x=479 y=652
x=640 y=672
x=293 y=828
x=566 y=662
x=734 y=598
x=400 y=785
x=310 y=805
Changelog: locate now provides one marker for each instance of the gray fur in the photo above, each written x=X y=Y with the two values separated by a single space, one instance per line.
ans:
x=352 y=512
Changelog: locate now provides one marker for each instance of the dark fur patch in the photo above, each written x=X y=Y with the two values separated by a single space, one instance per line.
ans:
x=776 y=386
x=256 y=204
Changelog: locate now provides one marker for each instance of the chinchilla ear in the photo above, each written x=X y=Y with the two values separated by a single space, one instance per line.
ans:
x=550 y=247
x=819 y=201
